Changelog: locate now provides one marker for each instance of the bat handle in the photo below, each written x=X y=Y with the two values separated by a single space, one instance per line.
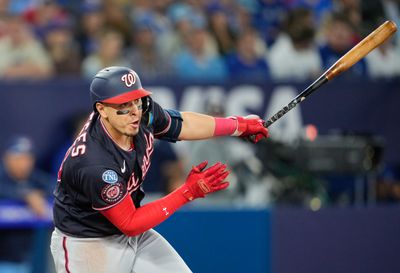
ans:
x=267 y=123
x=299 y=98
x=282 y=112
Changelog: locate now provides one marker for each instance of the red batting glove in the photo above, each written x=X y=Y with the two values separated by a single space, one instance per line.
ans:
x=251 y=127
x=201 y=181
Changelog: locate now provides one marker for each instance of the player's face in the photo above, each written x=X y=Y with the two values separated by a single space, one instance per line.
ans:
x=124 y=118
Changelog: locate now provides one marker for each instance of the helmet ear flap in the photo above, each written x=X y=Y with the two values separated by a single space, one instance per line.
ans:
x=146 y=101
x=147 y=106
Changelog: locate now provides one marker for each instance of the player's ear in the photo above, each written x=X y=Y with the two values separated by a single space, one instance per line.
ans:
x=101 y=109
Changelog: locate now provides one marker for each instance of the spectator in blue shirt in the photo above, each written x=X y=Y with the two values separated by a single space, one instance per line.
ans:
x=244 y=62
x=268 y=17
x=340 y=37
x=320 y=8
x=21 y=182
x=195 y=63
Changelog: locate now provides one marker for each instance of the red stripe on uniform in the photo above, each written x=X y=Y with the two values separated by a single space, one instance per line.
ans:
x=66 y=254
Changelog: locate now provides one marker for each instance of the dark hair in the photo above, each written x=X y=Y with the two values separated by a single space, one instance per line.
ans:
x=298 y=25
x=337 y=17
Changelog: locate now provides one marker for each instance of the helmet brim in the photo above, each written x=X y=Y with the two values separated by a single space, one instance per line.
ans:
x=128 y=96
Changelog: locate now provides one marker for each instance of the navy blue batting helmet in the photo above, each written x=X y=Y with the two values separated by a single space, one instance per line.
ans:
x=116 y=85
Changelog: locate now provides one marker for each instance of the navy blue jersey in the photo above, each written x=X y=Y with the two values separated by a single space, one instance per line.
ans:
x=96 y=173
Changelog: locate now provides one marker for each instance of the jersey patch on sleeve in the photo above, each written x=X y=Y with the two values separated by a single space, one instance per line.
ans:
x=103 y=186
x=110 y=177
x=112 y=192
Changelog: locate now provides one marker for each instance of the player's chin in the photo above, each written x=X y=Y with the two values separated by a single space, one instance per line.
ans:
x=132 y=131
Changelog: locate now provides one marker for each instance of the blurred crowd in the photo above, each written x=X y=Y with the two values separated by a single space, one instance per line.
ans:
x=192 y=39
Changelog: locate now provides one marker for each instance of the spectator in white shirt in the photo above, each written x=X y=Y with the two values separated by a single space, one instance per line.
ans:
x=294 y=56
x=383 y=62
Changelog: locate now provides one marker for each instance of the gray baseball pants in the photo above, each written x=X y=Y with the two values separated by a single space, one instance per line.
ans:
x=148 y=252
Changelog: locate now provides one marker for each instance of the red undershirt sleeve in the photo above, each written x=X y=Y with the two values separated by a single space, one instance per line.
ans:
x=132 y=221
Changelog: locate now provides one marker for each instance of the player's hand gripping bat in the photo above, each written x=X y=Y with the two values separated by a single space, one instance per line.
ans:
x=373 y=40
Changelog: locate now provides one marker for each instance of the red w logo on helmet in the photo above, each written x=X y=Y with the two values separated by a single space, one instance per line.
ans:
x=129 y=79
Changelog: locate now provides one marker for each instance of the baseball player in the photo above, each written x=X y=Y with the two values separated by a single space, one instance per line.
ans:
x=100 y=225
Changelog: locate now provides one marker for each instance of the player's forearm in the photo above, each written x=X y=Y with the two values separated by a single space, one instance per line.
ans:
x=199 y=182
x=199 y=126
x=132 y=221
x=196 y=126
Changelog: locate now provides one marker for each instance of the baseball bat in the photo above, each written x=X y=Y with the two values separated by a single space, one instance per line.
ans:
x=360 y=50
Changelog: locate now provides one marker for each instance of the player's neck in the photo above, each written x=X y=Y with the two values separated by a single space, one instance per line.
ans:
x=123 y=141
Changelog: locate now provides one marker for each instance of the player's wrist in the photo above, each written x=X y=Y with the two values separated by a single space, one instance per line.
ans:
x=225 y=126
x=186 y=193
x=241 y=125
